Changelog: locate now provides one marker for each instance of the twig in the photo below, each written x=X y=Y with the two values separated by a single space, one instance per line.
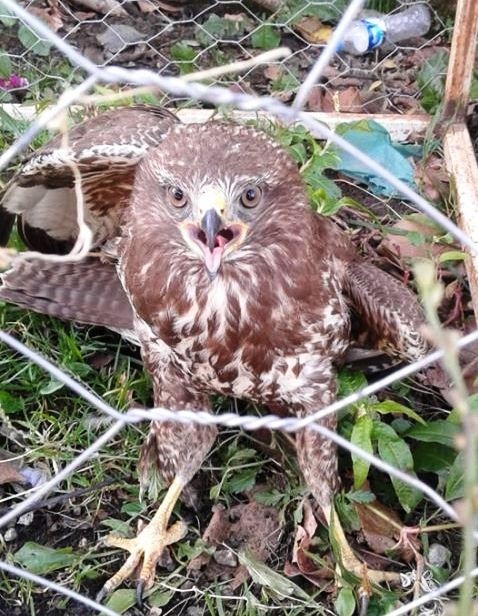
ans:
x=61 y=498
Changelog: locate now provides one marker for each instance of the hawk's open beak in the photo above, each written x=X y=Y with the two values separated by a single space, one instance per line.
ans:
x=213 y=237
x=211 y=223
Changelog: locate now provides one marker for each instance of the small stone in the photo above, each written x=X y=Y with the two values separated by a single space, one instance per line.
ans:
x=26 y=519
x=225 y=557
x=438 y=555
x=118 y=36
x=10 y=535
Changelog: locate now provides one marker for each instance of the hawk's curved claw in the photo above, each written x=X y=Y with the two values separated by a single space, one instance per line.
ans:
x=364 y=599
x=147 y=547
x=139 y=593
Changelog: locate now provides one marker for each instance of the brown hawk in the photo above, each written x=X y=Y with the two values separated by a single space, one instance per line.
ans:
x=235 y=286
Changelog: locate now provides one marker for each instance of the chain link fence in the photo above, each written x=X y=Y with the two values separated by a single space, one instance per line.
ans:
x=175 y=40
x=54 y=54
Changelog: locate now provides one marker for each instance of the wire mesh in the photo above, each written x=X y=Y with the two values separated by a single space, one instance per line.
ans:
x=158 y=45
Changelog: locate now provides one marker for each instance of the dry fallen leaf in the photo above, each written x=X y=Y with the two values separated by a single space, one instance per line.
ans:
x=383 y=529
x=315 y=99
x=406 y=247
x=110 y=7
x=432 y=177
x=273 y=72
x=302 y=563
x=10 y=473
x=350 y=100
x=251 y=528
x=313 y=30
x=49 y=15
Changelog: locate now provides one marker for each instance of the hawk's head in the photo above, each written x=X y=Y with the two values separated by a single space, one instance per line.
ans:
x=218 y=191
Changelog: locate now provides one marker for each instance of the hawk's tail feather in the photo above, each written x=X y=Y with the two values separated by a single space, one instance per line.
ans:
x=88 y=292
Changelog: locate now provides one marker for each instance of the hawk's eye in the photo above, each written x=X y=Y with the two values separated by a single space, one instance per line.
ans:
x=251 y=196
x=177 y=197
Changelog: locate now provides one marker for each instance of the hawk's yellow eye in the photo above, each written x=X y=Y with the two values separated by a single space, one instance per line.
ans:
x=177 y=198
x=251 y=196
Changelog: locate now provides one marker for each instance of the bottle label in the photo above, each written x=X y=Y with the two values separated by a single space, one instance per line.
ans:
x=375 y=31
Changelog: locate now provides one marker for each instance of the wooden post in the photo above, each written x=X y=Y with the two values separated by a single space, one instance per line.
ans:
x=461 y=165
x=462 y=61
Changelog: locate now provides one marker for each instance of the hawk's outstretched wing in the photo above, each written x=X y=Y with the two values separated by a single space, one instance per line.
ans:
x=105 y=150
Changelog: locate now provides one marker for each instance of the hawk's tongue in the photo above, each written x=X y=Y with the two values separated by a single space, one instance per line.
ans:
x=210 y=224
x=212 y=259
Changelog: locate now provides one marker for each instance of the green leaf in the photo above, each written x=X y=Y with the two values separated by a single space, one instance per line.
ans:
x=42 y=560
x=51 y=387
x=122 y=600
x=390 y=406
x=216 y=28
x=214 y=491
x=118 y=527
x=243 y=454
x=455 y=417
x=6 y=68
x=451 y=255
x=431 y=80
x=362 y=437
x=266 y=37
x=454 y=487
x=9 y=404
x=132 y=508
x=285 y=83
x=7 y=17
x=361 y=496
x=347 y=512
x=296 y=10
x=265 y=576
x=349 y=382
x=395 y=451
x=298 y=153
x=31 y=42
x=432 y=459
x=438 y=431
x=11 y=125
x=269 y=497
x=184 y=55
x=160 y=597
x=345 y=602
x=242 y=481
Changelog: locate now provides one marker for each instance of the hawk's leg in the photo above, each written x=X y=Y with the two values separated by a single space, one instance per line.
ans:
x=146 y=549
x=347 y=562
x=318 y=461
x=176 y=452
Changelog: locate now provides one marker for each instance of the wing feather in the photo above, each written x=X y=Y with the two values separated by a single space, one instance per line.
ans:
x=389 y=310
x=105 y=149
x=87 y=292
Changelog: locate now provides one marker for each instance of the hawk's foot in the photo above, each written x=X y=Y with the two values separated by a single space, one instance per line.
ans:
x=147 y=547
x=349 y=565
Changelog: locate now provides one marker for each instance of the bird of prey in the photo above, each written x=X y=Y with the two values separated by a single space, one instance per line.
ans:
x=230 y=282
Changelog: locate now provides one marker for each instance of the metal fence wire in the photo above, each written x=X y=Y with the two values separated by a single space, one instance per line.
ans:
x=76 y=47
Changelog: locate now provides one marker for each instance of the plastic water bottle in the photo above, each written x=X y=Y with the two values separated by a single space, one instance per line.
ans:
x=371 y=32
